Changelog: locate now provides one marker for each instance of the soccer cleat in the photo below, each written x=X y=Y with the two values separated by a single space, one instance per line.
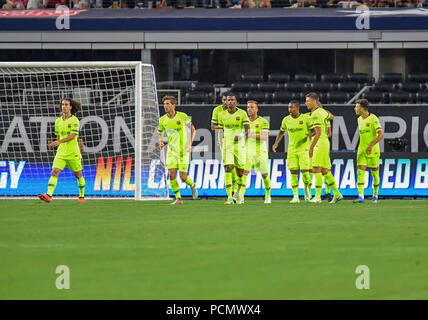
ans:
x=177 y=201
x=375 y=199
x=268 y=200
x=307 y=195
x=295 y=200
x=81 y=200
x=229 y=201
x=329 y=197
x=194 y=193
x=359 y=200
x=45 y=197
x=315 y=200
x=336 y=199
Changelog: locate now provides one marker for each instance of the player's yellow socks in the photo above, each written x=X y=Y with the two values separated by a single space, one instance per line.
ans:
x=52 y=185
x=318 y=185
x=234 y=182
x=295 y=184
x=331 y=183
x=175 y=188
x=228 y=183
x=307 y=181
x=376 y=182
x=266 y=182
x=360 y=181
x=242 y=186
x=81 y=184
x=189 y=182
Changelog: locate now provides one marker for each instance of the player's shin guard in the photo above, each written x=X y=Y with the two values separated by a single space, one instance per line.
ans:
x=234 y=180
x=243 y=185
x=189 y=182
x=175 y=188
x=81 y=184
x=307 y=181
x=295 y=184
x=266 y=182
x=318 y=185
x=376 y=182
x=228 y=183
x=360 y=180
x=329 y=181
x=52 y=185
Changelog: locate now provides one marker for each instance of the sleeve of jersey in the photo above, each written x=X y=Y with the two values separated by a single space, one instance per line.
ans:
x=316 y=121
x=283 y=126
x=245 y=119
x=75 y=126
x=376 y=124
x=220 y=122
x=161 y=129
x=265 y=126
x=56 y=128
x=186 y=119
x=214 y=118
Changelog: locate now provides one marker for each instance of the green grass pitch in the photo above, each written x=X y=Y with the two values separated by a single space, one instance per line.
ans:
x=123 y=249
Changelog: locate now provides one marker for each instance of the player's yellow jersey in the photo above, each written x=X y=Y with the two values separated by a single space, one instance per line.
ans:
x=233 y=124
x=369 y=128
x=64 y=128
x=257 y=126
x=320 y=118
x=176 y=130
x=298 y=130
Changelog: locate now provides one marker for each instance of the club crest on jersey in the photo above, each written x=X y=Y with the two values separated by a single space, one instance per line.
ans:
x=300 y=122
x=237 y=118
x=69 y=125
x=367 y=124
x=257 y=125
x=178 y=122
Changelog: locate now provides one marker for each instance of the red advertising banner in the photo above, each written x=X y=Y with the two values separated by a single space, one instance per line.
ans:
x=42 y=13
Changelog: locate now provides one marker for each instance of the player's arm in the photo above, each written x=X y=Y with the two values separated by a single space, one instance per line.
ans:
x=57 y=142
x=264 y=135
x=192 y=136
x=329 y=132
x=278 y=140
x=315 y=140
x=378 y=138
x=81 y=147
x=330 y=115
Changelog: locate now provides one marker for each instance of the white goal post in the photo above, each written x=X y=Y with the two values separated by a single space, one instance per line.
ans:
x=118 y=127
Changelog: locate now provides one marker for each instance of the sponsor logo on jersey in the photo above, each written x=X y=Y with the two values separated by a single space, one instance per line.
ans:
x=237 y=118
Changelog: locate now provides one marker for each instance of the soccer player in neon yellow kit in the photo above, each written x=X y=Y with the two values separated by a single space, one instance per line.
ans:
x=319 y=149
x=299 y=128
x=368 y=153
x=234 y=122
x=175 y=124
x=215 y=127
x=68 y=153
x=257 y=151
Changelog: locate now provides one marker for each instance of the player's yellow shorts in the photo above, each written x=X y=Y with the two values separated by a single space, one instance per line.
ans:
x=175 y=161
x=235 y=154
x=371 y=161
x=321 y=155
x=260 y=162
x=299 y=160
x=72 y=164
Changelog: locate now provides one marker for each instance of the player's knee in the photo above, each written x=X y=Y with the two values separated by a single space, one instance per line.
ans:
x=55 y=172
x=264 y=176
x=78 y=174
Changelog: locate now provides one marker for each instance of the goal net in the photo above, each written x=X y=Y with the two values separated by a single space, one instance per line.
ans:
x=118 y=127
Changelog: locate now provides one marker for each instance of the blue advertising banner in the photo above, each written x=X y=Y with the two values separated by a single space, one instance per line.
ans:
x=402 y=174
